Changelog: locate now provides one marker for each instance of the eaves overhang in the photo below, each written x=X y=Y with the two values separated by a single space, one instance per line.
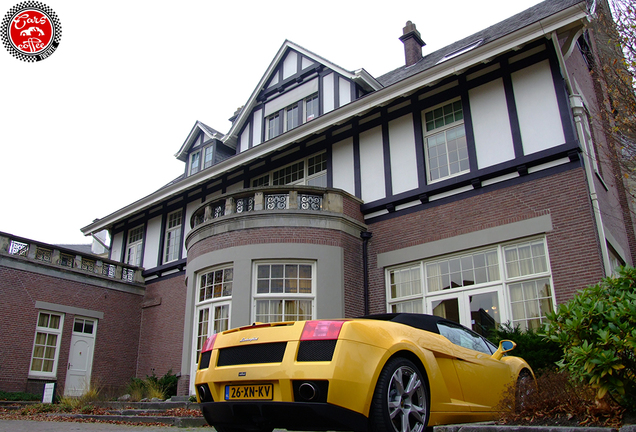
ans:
x=563 y=20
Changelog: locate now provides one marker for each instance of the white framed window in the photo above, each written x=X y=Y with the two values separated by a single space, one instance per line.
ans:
x=292 y=116
x=311 y=171
x=213 y=304
x=284 y=291
x=195 y=162
x=46 y=346
x=208 y=153
x=311 y=107
x=173 y=237
x=134 y=246
x=505 y=282
x=273 y=126
x=445 y=142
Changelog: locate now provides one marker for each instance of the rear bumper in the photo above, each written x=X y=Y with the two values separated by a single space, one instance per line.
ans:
x=252 y=415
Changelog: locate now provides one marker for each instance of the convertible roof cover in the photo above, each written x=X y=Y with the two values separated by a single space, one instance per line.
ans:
x=420 y=321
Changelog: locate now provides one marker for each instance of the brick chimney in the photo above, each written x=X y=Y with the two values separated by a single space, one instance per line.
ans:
x=413 y=44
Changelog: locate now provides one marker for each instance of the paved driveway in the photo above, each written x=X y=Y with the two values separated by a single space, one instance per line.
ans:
x=52 y=426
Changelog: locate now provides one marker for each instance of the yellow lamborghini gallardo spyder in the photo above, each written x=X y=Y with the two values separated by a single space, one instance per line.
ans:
x=381 y=373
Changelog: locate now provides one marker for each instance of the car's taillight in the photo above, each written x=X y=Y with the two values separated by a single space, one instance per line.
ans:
x=321 y=330
x=209 y=343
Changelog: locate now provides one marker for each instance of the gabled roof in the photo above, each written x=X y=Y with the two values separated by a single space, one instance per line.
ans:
x=360 y=76
x=516 y=22
x=198 y=127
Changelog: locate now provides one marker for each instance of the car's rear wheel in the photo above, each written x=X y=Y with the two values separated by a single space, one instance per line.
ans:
x=400 y=402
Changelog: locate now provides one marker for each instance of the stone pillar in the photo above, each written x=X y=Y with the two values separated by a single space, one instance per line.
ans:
x=259 y=201
x=293 y=200
x=230 y=206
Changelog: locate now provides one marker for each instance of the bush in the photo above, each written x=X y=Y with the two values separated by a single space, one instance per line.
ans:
x=531 y=346
x=153 y=387
x=19 y=396
x=596 y=331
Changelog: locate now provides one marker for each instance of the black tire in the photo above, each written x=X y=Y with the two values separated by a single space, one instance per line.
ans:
x=526 y=386
x=401 y=399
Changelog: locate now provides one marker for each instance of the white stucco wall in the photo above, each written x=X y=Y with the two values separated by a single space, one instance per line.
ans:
x=491 y=124
x=343 y=173
x=151 y=247
x=537 y=107
x=372 y=165
x=403 y=157
x=344 y=91
x=328 y=93
x=257 y=127
x=290 y=64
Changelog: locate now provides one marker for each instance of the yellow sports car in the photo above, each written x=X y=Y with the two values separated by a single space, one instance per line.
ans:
x=382 y=373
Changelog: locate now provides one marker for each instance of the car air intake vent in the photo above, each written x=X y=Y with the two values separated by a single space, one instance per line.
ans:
x=205 y=360
x=316 y=350
x=252 y=354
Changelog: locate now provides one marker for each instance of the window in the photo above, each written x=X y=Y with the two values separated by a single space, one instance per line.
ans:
x=83 y=325
x=292 y=116
x=194 y=162
x=462 y=271
x=446 y=147
x=173 y=237
x=463 y=337
x=273 y=126
x=134 y=249
x=472 y=287
x=284 y=291
x=207 y=157
x=212 y=305
x=46 y=346
x=311 y=107
x=314 y=175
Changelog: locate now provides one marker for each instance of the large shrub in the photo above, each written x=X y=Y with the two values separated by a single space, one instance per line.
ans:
x=597 y=334
x=531 y=346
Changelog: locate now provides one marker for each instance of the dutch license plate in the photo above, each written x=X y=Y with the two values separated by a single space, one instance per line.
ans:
x=250 y=391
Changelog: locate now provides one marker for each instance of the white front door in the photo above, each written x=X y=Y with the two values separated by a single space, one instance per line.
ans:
x=80 y=359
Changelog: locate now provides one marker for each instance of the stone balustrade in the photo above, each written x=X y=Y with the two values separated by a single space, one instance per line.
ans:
x=281 y=198
x=67 y=258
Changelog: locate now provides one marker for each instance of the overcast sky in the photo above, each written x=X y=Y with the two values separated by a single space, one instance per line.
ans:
x=95 y=126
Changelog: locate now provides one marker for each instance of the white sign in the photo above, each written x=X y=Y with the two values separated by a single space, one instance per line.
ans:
x=49 y=390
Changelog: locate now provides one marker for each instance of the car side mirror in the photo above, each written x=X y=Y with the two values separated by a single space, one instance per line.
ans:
x=504 y=347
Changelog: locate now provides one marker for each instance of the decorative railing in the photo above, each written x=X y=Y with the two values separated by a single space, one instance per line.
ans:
x=67 y=258
x=280 y=198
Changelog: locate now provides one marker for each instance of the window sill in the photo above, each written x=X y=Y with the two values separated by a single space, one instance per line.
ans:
x=42 y=377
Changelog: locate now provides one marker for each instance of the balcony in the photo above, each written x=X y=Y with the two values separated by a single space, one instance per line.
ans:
x=299 y=198
x=68 y=259
x=290 y=207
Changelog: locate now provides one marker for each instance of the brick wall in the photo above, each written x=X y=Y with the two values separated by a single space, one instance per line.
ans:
x=573 y=247
x=162 y=321
x=116 y=342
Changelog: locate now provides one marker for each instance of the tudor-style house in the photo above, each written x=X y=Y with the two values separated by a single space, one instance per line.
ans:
x=473 y=182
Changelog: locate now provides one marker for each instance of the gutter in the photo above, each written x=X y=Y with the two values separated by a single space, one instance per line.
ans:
x=580 y=115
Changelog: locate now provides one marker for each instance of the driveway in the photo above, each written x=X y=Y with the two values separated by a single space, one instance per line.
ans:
x=56 y=426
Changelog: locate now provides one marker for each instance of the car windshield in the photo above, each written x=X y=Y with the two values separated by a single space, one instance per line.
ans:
x=463 y=337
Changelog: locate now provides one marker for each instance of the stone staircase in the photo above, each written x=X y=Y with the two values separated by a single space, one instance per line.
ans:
x=178 y=412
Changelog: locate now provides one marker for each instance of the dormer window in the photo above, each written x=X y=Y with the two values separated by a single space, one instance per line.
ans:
x=194 y=162
x=273 y=126
x=291 y=116
x=207 y=157
x=311 y=105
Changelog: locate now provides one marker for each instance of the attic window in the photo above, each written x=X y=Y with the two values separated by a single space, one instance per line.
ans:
x=460 y=51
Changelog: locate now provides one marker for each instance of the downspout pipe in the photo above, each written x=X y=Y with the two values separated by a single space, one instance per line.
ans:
x=579 y=112
x=365 y=236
